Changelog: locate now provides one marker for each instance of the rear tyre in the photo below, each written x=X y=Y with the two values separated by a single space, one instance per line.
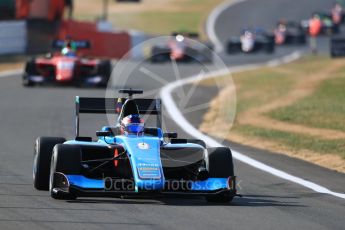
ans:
x=66 y=159
x=27 y=82
x=41 y=165
x=220 y=165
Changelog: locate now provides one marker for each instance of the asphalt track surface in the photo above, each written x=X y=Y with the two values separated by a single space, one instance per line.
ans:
x=268 y=202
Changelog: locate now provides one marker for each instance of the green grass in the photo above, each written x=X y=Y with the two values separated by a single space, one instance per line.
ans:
x=253 y=88
x=295 y=141
x=308 y=64
x=324 y=109
x=164 y=17
x=259 y=87
x=160 y=22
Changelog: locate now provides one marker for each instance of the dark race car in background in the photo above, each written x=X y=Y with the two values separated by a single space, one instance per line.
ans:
x=182 y=47
x=288 y=32
x=251 y=41
x=67 y=67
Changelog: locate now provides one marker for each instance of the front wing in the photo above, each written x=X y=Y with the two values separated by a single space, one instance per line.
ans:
x=82 y=186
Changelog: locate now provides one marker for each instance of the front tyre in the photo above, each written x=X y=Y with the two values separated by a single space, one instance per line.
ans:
x=41 y=165
x=30 y=70
x=220 y=165
x=66 y=159
x=27 y=82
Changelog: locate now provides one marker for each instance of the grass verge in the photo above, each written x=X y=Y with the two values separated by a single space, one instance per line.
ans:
x=297 y=109
x=324 y=109
x=151 y=16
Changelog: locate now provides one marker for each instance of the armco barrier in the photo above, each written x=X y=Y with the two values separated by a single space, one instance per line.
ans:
x=103 y=44
x=13 y=37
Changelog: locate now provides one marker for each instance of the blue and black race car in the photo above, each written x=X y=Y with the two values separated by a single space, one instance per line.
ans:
x=129 y=159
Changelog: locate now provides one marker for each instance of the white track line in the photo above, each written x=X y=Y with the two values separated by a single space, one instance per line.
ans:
x=211 y=22
x=174 y=112
x=8 y=73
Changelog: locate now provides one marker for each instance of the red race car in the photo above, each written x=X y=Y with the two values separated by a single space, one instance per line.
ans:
x=67 y=67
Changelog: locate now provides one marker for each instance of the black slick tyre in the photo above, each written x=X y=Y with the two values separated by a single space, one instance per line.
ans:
x=66 y=159
x=41 y=165
x=220 y=165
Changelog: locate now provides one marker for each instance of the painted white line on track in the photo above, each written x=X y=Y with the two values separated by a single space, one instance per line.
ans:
x=211 y=22
x=9 y=73
x=180 y=120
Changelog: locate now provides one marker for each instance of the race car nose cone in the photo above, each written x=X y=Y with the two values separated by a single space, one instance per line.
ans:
x=202 y=174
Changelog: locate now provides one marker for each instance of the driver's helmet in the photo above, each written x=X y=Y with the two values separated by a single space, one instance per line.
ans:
x=316 y=16
x=282 y=26
x=179 y=38
x=69 y=48
x=337 y=6
x=248 y=34
x=68 y=52
x=132 y=124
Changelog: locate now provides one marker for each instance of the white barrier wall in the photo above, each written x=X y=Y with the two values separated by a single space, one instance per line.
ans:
x=13 y=37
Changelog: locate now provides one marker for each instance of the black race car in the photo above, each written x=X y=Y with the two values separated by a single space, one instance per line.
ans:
x=251 y=41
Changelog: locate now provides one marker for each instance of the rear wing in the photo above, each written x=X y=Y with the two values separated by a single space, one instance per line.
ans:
x=82 y=44
x=111 y=106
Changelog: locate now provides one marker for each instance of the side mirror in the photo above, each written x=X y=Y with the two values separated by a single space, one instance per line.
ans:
x=103 y=133
x=170 y=135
